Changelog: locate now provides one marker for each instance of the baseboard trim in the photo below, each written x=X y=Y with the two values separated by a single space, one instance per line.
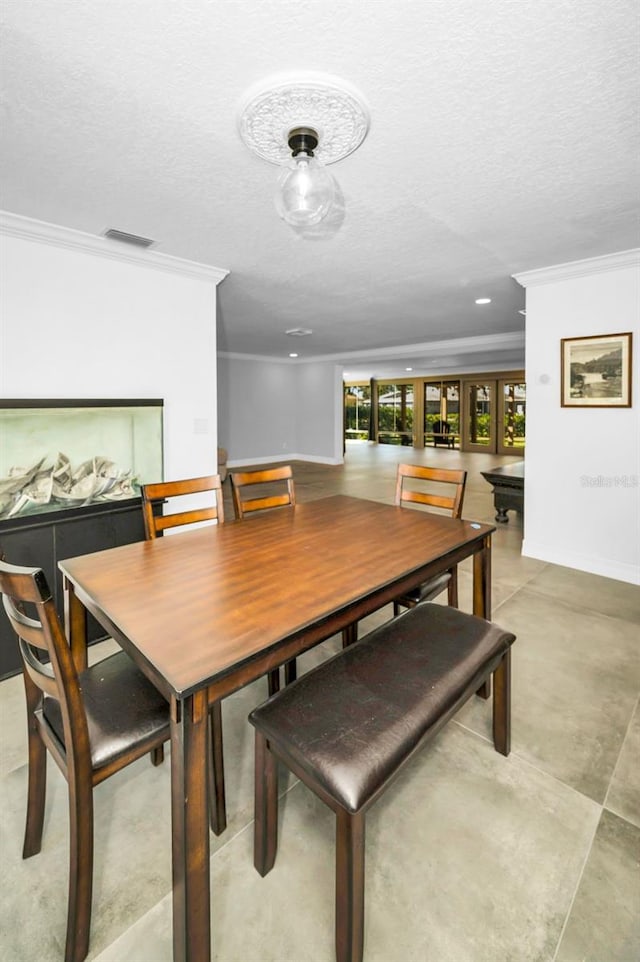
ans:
x=279 y=458
x=605 y=567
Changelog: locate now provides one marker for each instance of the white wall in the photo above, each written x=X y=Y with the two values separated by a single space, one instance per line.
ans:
x=320 y=421
x=88 y=318
x=582 y=500
x=278 y=410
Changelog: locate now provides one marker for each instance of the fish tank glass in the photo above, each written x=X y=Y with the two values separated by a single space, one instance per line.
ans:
x=62 y=454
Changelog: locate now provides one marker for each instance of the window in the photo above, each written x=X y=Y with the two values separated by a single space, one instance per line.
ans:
x=513 y=420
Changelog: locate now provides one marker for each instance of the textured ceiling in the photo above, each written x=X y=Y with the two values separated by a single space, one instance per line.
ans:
x=504 y=137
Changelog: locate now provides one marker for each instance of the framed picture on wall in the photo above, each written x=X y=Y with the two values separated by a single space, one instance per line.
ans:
x=596 y=371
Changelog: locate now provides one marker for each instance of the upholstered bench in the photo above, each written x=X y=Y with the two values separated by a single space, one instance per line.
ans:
x=347 y=727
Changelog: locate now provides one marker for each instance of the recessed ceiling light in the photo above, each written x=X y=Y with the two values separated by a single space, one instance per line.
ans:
x=293 y=355
x=483 y=300
x=408 y=369
x=298 y=332
x=524 y=313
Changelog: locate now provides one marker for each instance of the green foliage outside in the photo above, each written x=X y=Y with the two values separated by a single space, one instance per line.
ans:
x=453 y=420
x=390 y=427
x=483 y=423
x=389 y=418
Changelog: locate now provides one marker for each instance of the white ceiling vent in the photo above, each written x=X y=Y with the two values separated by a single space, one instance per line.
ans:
x=124 y=238
x=298 y=332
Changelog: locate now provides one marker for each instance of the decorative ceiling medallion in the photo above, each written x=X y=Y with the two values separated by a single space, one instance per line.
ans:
x=327 y=104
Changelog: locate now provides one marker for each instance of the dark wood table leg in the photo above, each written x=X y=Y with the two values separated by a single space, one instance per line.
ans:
x=190 y=829
x=482 y=594
x=75 y=624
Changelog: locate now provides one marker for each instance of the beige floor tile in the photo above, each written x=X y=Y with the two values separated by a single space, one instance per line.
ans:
x=576 y=677
x=132 y=860
x=470 y=857
x=604 y=925
x=584 y=590
x=623 y=796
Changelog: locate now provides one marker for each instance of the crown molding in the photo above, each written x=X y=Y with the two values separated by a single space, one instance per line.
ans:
x=26 y=228
x=262 y=358
x=513 y=340
x=583 y=268
x=460 y=345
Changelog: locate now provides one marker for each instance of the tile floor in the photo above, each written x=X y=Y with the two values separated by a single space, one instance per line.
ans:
x=471 y=857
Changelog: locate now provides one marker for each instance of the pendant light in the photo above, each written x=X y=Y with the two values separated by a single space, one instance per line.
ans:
x=306 y=190
x=303 y=123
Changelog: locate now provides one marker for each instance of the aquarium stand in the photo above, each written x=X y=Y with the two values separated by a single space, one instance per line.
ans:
x=43 y=540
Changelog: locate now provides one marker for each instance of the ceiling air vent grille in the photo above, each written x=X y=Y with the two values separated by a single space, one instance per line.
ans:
x=124 y=238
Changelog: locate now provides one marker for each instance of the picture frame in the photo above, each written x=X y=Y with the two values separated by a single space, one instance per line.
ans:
x=596 y=371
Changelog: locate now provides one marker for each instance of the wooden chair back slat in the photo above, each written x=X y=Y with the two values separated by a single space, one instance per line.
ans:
x=155 y=524
x=179 y=518
x=242 y=487
x=27 y=628
x=41 y=674
x=452 y=503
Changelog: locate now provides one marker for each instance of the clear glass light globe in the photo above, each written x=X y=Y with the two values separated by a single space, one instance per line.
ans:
x=305 y=193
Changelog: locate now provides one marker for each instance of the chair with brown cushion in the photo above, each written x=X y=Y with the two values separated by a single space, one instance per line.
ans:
x=275 y=490
x=93 y=721
x=261 y=491
x=155 y=524
x=451 y=500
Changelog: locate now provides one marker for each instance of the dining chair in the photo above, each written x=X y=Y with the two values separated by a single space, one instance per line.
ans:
x=155 y=496
x=93 y=721
x=156 y=521
x=451 y=500
x=262 y=491
x=275 y=489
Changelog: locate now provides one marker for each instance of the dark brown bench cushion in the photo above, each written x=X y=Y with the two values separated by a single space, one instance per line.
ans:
x=353 y=721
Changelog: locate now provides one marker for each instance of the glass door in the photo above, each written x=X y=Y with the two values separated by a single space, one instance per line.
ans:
x=512 y=417
x=357 y=412
x=432 y=410
x=442 y=404
x=479 y=426
x=395 y=414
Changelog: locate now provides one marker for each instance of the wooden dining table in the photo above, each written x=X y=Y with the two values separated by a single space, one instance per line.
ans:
x=205 y=612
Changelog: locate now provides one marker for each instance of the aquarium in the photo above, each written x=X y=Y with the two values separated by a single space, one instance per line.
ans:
x=65 y=454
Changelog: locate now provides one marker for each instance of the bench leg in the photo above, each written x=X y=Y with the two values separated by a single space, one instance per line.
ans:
x=502 y=705
x=265 y=834
x=349 y=886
